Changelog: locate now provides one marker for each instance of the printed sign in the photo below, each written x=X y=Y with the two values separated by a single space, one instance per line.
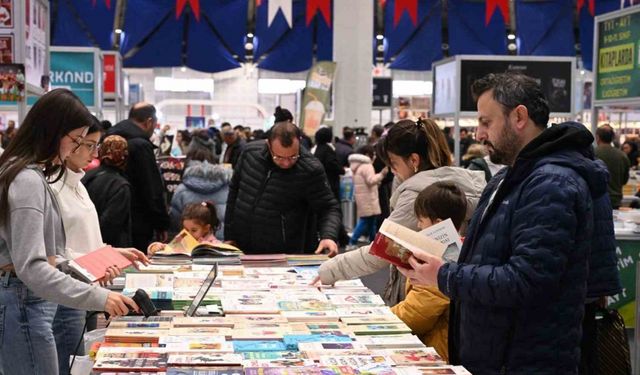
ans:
x=76 y=72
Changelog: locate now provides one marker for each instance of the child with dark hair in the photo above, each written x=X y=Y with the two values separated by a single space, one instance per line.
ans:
x=365 y=188
x=200 y=220
x=425 y=309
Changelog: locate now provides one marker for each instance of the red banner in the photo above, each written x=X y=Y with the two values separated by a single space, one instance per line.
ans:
x=490 y=9
x=109 y=69
x=411 y=6
x=194 y=4
x=323 y=5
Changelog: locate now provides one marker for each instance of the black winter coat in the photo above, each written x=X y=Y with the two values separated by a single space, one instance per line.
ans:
x=327 y=157
x=273 y=210
x=519 y=288
x=233 y=151
x=343 y=150
x=110 y=192
x=148 y=206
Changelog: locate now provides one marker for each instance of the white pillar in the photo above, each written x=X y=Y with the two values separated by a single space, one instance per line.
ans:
x=353 y=53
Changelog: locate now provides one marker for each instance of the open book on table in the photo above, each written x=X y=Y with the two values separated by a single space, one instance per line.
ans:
x=395 y=243
x=183 y=244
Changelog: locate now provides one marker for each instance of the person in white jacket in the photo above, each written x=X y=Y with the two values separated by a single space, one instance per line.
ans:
x=82 y=233
x=418 y=155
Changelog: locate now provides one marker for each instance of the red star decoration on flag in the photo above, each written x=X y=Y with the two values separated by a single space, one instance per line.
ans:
x=592 y=6
x=194 y=4
x=491 y=8
x=323 y=5
x=107 y=3
x=411 y=6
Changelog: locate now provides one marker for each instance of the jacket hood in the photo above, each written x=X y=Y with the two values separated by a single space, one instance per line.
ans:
x=569 y=145
x=472 y=183
x=128 y=130
x=201 y=142
x=359 y=159
x=205 y=178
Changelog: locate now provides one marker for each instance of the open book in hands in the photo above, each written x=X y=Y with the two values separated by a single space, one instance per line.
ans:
x=184 y=244
x=395 y=243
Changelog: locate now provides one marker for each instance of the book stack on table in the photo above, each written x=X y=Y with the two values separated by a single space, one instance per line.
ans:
x=274 y=322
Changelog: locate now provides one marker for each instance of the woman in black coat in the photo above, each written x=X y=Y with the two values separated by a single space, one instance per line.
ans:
x=325 y=152
x=110 y=192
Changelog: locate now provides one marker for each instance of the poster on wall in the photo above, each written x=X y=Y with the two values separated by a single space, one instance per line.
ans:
x=317 y=95
x=76 y=72
x=35 y=41
x=6 y=14
x=12 y=83
x=6 y=49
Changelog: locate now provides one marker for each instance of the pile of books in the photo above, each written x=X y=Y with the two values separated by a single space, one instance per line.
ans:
x=274 y=322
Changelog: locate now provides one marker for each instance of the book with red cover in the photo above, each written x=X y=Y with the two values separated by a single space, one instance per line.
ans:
x=394 y=243
x=93 y=266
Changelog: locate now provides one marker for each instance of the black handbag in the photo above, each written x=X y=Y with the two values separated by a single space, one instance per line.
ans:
x=612 y=344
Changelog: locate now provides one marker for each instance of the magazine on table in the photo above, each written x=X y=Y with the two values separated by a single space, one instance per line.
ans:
x=184 y=244
x=396 y=243
x=93 y=266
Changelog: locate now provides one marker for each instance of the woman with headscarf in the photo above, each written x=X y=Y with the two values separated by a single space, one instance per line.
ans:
x=111 y=192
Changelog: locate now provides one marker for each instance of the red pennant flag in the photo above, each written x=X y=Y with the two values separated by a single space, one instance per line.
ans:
x=107 y=3
x=325 y=9
x=258 y=3
x=592 y=7
x=411 y=6
x=195 y=6
x=491 y=8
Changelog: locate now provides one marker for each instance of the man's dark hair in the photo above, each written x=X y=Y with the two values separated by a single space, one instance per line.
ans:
x=377 y=130
x=605 y=133
x=224 y=124
x=348 y=133
x=285 y=132
x=106 y=124
x=464 y=130
x=282 y=114
x=142 y=113
x=238 y=128
x=389 y=124
x=442 y=200
x=324 y=136
x=514 y=89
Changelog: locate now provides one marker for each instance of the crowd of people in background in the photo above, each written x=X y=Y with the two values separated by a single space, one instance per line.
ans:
x=532 y=201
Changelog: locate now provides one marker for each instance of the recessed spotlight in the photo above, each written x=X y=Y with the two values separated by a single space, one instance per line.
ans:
x=250 y=35
x=379 y=36
x=118 y=31
x=512 y=46
x=511 y=36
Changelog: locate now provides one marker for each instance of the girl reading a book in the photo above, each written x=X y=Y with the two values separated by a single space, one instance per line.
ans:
x=32 y=238
x=425 y=309
x=200 y=220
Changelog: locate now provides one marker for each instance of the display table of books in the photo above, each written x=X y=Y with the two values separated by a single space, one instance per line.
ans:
x=261 y=320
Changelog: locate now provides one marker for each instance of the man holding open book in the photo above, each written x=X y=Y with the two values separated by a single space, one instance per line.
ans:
x=518 y=289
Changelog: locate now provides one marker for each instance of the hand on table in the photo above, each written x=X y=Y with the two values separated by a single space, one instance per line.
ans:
x=329 y=245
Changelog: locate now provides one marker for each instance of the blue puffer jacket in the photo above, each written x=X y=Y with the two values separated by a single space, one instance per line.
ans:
x=202 y=181
x=518 y=291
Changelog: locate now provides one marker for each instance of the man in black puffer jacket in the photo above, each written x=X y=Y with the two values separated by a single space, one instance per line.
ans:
x=279 y=198
x=518 y=289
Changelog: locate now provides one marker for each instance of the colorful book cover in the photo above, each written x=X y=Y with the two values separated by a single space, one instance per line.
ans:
x=203 y=322
x=258 y=346
x=311 y=316
x=356 y=299
x=356 y=361
x=331 y=346
x=204 y=371
x=416 y=357
x=206 y=359
x=292 y=341
x=310 y=370
x=305 y=305
x=297 y=362
x=380 y=329
x=93 y=266
x=376 y=319
x=394 y=243
x=347 y=312
x=272 y=355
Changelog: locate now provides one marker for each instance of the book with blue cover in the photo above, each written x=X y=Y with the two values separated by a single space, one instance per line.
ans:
x=258 y=346
x=291 y=341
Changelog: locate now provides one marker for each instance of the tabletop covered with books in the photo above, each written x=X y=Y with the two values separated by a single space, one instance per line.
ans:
x=266 y=320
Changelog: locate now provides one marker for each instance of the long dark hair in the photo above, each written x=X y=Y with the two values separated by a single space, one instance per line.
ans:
x=423 y=137
x=37 y=140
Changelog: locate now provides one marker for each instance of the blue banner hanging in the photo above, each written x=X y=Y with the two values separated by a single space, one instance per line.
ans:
x=83 y=23
x=548 y=29
x=477 y=28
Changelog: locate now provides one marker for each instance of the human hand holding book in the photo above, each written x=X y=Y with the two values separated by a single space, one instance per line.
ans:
x=424 y=268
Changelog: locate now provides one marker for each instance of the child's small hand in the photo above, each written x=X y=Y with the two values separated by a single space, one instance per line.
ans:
x=154 y=248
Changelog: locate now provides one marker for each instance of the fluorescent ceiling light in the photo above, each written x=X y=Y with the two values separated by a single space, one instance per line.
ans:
x=412 y=88
x=280 y=86
x=184 y=84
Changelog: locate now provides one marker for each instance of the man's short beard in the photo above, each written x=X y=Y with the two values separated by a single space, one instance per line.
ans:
x=506 y=148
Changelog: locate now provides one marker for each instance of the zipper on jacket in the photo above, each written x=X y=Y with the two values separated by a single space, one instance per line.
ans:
x=259 y=195
x=283 y=222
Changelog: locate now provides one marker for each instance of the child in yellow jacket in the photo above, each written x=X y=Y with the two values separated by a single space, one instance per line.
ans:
x=425 y=310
